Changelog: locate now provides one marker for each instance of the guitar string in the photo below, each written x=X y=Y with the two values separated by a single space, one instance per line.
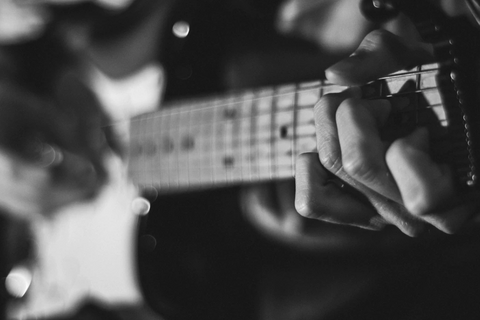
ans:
x=201 y=104
x=247 y=139
x=246 y=119
x=235 y=151
x=305 y=107
x=224 y=106
x=269 y=141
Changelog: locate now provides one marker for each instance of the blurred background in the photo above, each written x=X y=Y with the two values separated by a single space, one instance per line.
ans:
x=237 y=253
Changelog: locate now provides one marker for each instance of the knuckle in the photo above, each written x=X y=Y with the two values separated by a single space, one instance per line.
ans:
x=351 y=110
x=327 y=100
x=400 y=145
x=379 y=37
x=324 y=109
x=399 y=148
x=307 y=207
x=388 y=43
x=419 y=203
x=412 y=230
x=332 y=163
x=360 y=167
x=347 y=107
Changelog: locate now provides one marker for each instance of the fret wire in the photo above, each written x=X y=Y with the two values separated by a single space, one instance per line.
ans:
x=406 y=93
x=145 y=160
x=233 y=130
x=239 y=132
x=182 y=157
x=216 y=135
x=189 y=168
x=175 y=157
x=134 y=132
x=272 y=133
x=227 y=135
x=416 y=98
x=147 y=135
x=253 y=139
x=294 y=133
x=208 y=113
x=158 y=125
x=247 y=107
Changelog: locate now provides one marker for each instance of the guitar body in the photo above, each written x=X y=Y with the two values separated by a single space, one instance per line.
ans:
x=198 y=258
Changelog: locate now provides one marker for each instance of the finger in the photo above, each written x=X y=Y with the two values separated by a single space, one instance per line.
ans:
x=452 y=220
x=20 y=184
x=427 y=188
x=317 y=198
x=85 y=135
x=74 y=179
x=379 y=54
x=30 y=188
x=363 y=160
x=330 y=156
x=326 y=128
x=363 y=151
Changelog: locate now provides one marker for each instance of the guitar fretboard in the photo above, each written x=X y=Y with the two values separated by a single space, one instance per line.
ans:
x=249 y=136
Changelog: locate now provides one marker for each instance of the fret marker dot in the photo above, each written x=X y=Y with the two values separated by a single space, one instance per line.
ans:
x=137 y=149
x=150 y=148
x=230 y=113
x=283 y=132
x=168 y=145
x=228 y=161
x=188 y=143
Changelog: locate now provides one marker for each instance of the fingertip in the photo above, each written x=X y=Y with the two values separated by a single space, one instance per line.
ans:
x=413 y=229
x=344 y=72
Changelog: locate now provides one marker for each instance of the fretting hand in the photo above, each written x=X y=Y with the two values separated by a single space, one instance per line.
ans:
x=350 y=146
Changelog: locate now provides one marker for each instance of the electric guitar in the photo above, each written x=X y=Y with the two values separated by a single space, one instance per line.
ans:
x=196 y=256
x=250 y=136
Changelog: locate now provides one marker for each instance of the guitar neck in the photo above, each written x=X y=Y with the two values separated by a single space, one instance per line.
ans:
x=244 y=137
